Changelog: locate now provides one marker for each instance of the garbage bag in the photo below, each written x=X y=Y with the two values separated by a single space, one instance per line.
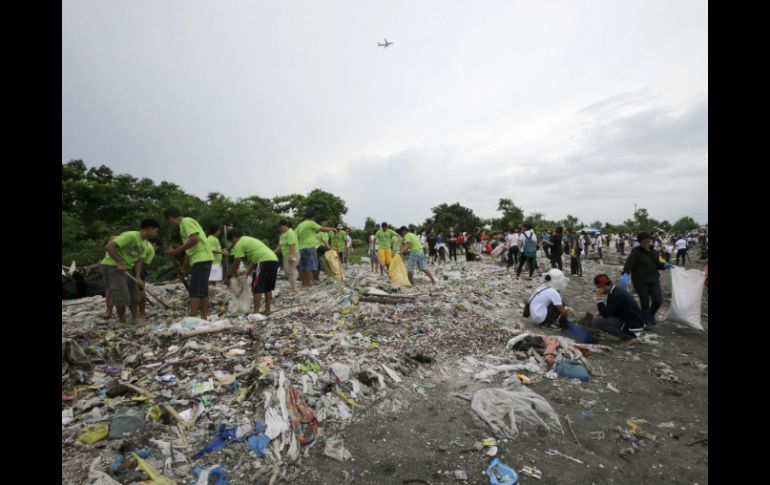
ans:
x=335 y=448
x=72 y=287
x=333 y=261
x=93 y=284
x=397 y=272
x=504 y=410
x=686 y=295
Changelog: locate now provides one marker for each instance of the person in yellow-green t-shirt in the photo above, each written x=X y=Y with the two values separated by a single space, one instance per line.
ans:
x=262 y=264
x=384 y=236
x=413 y=246
x=288 y=246
x=213 y=235
x=197 y=254
x=307 y=234
x=125 y=252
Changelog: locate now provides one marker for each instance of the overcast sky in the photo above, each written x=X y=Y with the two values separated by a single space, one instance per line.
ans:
x=580 y=107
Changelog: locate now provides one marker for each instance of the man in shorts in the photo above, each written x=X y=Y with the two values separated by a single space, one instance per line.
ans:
x=287 y=246
x=384 y=237
x=307 y=234
x=198 y=254
x=125 y=253
x=263 y=266
x=413 y=246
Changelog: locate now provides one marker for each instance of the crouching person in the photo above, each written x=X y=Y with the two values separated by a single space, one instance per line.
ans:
x=620 y=316
x=546 y=305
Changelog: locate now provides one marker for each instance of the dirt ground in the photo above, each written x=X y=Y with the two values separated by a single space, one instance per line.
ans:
x=403 y=439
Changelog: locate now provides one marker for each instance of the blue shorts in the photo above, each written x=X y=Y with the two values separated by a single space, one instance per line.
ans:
x=416 y=259
x=308 y=260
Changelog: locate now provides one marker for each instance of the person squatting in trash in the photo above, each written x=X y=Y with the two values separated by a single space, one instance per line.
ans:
x=620 y=315
x=546 y=304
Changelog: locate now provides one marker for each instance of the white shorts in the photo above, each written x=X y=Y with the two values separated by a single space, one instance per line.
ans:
x=216 y=272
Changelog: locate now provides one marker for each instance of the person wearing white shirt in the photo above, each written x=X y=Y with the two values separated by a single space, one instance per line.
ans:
x=681 y=249
x=545 y=304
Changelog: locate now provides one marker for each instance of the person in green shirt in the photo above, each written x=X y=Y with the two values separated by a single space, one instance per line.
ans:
x=288 y=247
x=413 y=246
x=126 y=252
x=262 y=265
x=384 y=236
x=213 y=235
x=307 y=234
x=198 y=254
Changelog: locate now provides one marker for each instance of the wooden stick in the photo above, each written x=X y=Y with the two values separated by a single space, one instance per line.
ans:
x=147 y=290
x=227 y=259
x=698 y=441
x=135 y=388
x=180 y=419
x=569 y=423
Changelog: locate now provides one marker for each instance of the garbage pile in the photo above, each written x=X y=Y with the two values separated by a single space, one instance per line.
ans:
x=242 y=398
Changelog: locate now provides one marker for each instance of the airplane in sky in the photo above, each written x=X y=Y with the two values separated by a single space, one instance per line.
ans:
x=385 y=45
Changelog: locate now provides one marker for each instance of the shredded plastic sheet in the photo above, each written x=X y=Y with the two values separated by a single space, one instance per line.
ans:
x=335 y=448
x=686 y=296
x=487 y=374
x=504 y=410
x=240 y=297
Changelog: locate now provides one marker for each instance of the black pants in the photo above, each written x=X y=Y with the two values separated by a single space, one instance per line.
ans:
x=552 y=315
x=600 y=252
x=547 y=251
x=556 y=261
x=453 y=251
x=613 y=326
x=532 y=264
x=622 y=248
x=681 y=253
x=574 y=266
x=513 y=258
x=650 y=299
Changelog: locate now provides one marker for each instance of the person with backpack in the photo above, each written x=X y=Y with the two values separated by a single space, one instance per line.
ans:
x=529 y=250
x=545 y=305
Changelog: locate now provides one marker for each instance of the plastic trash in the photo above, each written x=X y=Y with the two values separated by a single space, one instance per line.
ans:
x=504 y=410
x=333 y=262
x=126 y=422
x=501 y=474
x=335 y=448
x=686 y=296
x=122 y=463
x=304 y=422
x=397 y=272
x=157 y=478
x=624 y=280
x=225 y=437
x=92 y=433
x=210 y=476
x=258 y=440
x=98 y=477
x=577 y=332
x=572 y=369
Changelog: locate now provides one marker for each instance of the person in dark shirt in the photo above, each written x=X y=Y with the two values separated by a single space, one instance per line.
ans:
x=554 y=243
x=642 y=265
x=620 y=315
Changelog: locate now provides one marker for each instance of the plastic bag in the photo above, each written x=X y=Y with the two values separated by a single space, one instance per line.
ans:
x=501 y=474
x=92 y=433
x=335 y=448
x=686 y=296
x=397 y=272
x=333 y=261
x=503 y=410
x=577 y=332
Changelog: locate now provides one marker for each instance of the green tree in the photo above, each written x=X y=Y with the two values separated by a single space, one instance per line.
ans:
x=684 y=225
x=456 y=216
x=513 y=216
x=323 y=205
